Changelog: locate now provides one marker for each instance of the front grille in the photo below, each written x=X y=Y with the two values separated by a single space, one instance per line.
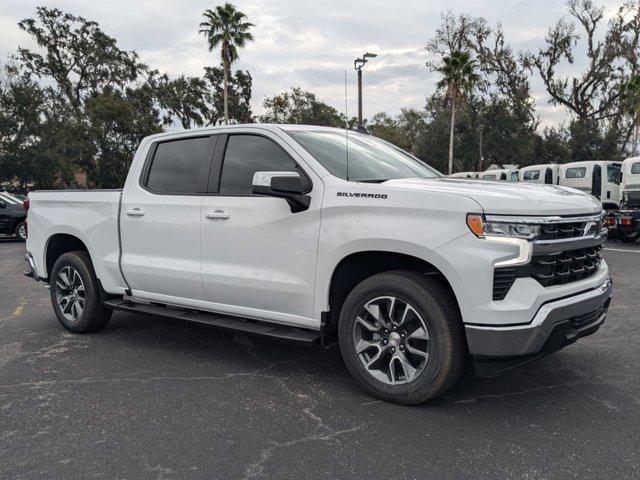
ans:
x=566 y=267
x=632 y=199
x=556 y=231
x=550 y=269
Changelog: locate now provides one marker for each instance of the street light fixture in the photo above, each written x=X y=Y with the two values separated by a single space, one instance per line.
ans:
x=358 y=63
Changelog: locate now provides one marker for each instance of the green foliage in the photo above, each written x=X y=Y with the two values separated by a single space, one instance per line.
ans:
x=239 y=88
x=300 y=107
x=459 y=75
x=79 y=104
x=228 y=29
x=78 y=57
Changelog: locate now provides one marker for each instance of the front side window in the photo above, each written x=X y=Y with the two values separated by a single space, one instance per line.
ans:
x=614 y=173
x=248 y=154
x=635 y=168
x=576 y=172
x=178 y=166
x=514 y=176
x=531 y=175
x=360 y=158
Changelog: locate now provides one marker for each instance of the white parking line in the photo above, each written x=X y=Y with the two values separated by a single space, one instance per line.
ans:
x=621 y=250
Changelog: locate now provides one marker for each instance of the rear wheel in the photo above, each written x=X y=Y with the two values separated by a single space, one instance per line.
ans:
x=76 y=294
x=21 y=231
x=401 y=337
x=627 y=237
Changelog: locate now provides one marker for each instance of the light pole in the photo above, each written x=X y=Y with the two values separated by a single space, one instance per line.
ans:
x=358 y=63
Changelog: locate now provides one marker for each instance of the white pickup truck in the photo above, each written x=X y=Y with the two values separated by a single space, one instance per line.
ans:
x=318 y=235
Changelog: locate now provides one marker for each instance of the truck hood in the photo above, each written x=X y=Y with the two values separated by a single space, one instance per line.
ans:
x=504 y=198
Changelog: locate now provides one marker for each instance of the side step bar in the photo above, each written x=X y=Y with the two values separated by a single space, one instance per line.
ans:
x=279 y=332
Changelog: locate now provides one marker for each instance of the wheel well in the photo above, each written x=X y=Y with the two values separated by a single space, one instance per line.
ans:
x=356 y=267
x=60 y=244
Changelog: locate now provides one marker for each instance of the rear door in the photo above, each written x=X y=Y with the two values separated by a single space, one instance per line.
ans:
x=160 y=220
x=259 y=258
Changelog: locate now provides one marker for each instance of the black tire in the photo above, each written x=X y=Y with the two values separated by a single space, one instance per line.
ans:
x=627 y=237
x=20 y=231
x=93 y=316
x=437 y=307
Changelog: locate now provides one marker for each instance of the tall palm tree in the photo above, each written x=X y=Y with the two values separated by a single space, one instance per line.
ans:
x=227 y=28
x=631 y=105
x=458 y=78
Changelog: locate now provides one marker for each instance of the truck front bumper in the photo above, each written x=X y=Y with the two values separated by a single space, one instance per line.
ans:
x=555 y=325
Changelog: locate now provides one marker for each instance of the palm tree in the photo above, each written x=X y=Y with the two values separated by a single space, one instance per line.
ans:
x=228 y=29
x=630 y=97
x=459 y=78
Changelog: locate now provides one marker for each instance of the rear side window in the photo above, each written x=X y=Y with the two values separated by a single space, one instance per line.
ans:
x=635 y=168
x=576 y=172
x=177 y=166
x=248 y=154
x=531 y=175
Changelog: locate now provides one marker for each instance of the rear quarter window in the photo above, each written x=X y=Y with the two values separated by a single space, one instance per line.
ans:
x=635 y=168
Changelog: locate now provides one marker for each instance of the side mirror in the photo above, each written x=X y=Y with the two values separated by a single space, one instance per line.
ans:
x=3 y=204
x=287 y=185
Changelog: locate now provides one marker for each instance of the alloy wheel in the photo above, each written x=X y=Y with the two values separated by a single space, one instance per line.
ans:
x=70 y=293
x=391 y=340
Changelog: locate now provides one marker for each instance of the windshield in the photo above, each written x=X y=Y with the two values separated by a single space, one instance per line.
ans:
x=369 y=159
x=8 y=198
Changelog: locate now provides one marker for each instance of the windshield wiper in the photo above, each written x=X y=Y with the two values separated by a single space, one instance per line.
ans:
x=374 y=180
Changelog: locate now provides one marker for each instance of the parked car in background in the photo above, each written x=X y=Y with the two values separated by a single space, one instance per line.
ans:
x=504 y=174
x=546 y=173
x=313 y=234
x=464 y=175
x=12 y=216
x=599 y=178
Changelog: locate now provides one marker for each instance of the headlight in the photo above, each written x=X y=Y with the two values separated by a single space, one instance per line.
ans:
x=482 y=228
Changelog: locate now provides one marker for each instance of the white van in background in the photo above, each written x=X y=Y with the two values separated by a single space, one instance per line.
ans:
x=627 y=221
x=504 y=174
x=545 y=173
x=464 y=175
x=599 y=178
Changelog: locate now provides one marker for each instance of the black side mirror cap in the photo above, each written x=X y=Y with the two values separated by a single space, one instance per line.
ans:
x=286 y=185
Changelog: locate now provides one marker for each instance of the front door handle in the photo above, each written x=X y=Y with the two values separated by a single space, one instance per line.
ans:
x=135 y=212
x=217 y=215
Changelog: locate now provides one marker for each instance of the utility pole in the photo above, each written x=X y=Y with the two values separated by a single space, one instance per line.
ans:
x=358 y=63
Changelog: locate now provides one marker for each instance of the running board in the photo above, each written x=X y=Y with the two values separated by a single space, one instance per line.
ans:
x=251 y=327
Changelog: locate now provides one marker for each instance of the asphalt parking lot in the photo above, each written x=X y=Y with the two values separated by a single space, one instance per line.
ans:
x=150 y=398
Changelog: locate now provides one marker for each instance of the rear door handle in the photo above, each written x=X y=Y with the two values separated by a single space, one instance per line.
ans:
x=217 y=215
x=135 y=212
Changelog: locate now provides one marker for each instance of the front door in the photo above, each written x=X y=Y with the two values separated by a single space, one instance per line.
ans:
x=160 y=221
x=259 y=258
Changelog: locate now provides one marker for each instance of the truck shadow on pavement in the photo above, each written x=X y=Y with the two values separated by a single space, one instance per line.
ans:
x=200 y=350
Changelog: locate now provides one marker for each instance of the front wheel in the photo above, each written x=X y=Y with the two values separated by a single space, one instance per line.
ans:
x=401 y=337
x=76 y=294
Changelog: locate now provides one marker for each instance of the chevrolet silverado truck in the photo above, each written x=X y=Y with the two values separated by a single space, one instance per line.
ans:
x=320 y=235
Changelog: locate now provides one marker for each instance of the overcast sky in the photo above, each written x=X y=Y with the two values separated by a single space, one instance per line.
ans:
x=307 y=43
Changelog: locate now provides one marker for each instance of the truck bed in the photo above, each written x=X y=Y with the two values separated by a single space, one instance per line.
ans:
x=90 y=215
